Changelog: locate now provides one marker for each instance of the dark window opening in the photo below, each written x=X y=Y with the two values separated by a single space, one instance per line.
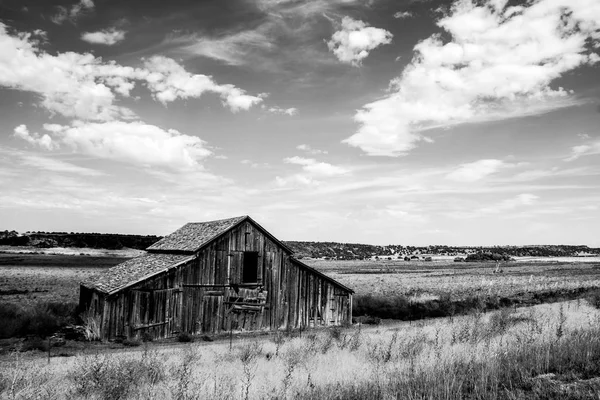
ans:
x=250 y=268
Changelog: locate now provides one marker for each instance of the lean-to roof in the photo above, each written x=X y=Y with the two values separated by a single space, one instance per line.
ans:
x=133 y=271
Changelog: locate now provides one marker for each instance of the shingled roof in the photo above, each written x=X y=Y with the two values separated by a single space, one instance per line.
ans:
x=134 y=270
x=322 y=275
x=194 y=235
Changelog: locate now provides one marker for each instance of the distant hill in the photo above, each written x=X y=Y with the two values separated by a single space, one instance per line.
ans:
x=64 y=239
x=331 y=250
x=351 y=251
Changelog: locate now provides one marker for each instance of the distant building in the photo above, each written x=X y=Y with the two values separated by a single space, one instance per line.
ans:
x=212 y=277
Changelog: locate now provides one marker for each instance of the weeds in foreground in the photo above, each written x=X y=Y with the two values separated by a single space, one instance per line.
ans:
x=248 y=354
x=503 y=355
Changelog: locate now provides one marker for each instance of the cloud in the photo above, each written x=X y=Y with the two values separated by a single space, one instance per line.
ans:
x=130 y=142
x=230 y=48
x=73 y=13
x=312 y=171
x=107 y=37
x=588 y=149
x=286 y=111
x=498 y=63
x=403 y=15
x=475 y=171
x=310 y=150
x=169 y=81
x=84 y=87
x=48 y=164
x=524 y=199
x=316 y=168
x=35 y=139
x=355 y=40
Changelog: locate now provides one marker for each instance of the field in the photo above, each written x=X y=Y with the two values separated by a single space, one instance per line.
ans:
x=56 y=277
x=424 y=280
x=26 y=278
x=545 y=351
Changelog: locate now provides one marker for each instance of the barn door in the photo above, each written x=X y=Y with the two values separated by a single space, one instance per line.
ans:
x=212 y=312
x=154 y=312
x=191 y=311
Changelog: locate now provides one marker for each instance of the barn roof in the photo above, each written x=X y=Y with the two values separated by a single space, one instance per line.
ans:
x=195 y=235
x=135 y=270
x=174 y=250
x=322 y=275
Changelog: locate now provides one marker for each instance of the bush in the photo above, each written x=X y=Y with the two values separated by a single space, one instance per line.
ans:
x=185 y=337
x=40 y=319
x=147 y=337
x=107 y=378
x=594 y=299
x=131 y=343
x=367 y=320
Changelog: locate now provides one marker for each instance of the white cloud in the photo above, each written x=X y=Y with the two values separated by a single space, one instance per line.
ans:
x=231 y=48
x=286 y=111
x=316 y=168
x=523 y=199
x=35 y=139
x=133 y=142
x=130 y=142
x=107 y=37
x=48 y=164
x=584 y=150
x=168 y=81
x=312 y=171
x=355 y=40
x=475 y=171
x=310 y=150
x=84 y=87
x=73 y=13
x=499 y=63
x=403 y=14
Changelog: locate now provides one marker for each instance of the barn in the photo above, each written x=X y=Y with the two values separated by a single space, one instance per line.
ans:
x=210 y=278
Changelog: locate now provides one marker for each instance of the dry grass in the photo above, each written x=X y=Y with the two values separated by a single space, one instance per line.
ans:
x=31 y=278
x=430 y=279
x=496 y=355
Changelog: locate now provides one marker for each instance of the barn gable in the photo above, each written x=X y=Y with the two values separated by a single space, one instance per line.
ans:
x=195 y=235
x=212 y=277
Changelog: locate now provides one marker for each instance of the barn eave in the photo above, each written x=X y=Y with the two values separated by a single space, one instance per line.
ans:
x=322 y=275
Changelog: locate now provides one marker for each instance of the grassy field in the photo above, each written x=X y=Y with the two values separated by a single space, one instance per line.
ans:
x=26 y=278
x=42 y=277
x=549 y=351
x=426 y=280
x=541 y=352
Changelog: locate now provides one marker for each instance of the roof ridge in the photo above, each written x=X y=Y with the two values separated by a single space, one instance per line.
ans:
x=194 y=235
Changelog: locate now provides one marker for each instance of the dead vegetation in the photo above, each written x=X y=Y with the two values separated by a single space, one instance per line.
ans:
x=546 y=351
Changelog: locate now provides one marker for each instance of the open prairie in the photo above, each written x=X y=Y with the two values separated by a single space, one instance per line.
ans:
x=56 y=277
x=31 y=277
x=422 y=279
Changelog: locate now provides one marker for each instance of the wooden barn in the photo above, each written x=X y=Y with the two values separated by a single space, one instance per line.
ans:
x=213 y=277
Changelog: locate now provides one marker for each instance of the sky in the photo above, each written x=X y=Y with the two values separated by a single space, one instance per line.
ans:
x=408 y=122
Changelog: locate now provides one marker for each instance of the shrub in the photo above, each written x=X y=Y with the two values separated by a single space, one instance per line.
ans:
x=41 y=319
x=107 y=378
x=367 y=320
x=147 y=336
x=185 y=337
x=91 y=326
x=131 y=343
x=594 y=299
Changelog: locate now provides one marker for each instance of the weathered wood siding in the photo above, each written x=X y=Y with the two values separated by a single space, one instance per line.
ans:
x=206 y=295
